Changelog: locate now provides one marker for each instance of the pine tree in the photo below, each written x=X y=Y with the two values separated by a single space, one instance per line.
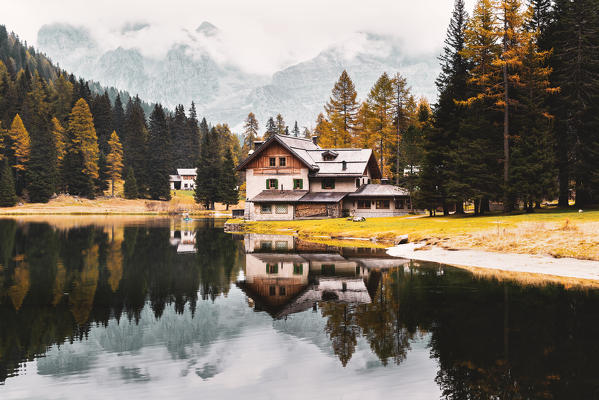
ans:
x=102 y=112
x=135 y=143
x=229 y=188
x=82 y=151
x=341 y=110
x=380 y=104
x=209 y=171
x=401 y=97
x=296 y=131
x=158 y=145
x=118 y=118
x=8 y=195
x=181 y=143
x=250 y=133
x=280 y=124
x=130 y=185
x=194 y=134
x=114 y=159
x=271 y=128
x=42 y=166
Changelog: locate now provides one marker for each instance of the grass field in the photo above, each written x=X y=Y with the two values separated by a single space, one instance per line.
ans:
x=560 y=233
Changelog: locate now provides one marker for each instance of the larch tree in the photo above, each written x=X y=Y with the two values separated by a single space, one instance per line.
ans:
x=18 y=147
x=114 y=159
x=280 y=125
x=380 y=104
x=341 y=110
x=250 y=133
x=82 y=151
x=323 y=131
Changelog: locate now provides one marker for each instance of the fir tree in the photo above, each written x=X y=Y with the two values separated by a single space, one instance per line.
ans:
x=209 y=171
x=401 y=98
x=102 y=113
x=8 y=196
x=250 y=133
x=229 y=189
x=130 y=185
x=296 y=131
x=194 y=134
x=158 y=145
x=118 y=117
x=135 y=143
x=114 y=160
x=271 y=128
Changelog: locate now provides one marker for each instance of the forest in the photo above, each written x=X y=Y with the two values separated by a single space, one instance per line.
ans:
x=60 y=134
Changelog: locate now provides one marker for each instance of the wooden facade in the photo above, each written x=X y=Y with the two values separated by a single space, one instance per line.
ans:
x=262 y=165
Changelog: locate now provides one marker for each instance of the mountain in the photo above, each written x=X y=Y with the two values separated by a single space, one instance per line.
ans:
x=192 y=69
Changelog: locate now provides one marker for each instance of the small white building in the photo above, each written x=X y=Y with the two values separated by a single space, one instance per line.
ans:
x=184 y=180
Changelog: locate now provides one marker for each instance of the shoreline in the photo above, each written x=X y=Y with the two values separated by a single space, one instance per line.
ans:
x=586 y=270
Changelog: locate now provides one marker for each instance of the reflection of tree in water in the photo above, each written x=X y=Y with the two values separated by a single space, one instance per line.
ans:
x=342 y=328
x=55 y=283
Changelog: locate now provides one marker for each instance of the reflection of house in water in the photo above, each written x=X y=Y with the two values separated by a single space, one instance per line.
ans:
x=185 y=240
x=285 y=275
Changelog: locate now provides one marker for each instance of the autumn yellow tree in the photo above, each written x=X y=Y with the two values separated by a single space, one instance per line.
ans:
x=114 y=159
x=380 y=104
x=323 y=131
x=60 y=140
x=80 y=167
x=341 y=110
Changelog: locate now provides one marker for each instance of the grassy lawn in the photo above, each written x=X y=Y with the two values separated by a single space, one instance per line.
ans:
x=562 y=233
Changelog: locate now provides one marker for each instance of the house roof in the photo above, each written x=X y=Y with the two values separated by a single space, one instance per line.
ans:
x=323 y=197
x=278 y=196
x=186 y=171
x=378 y=190
x=347 y=162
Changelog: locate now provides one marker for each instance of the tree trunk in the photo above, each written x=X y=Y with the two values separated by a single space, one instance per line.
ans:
x=506 y=121
x=112 y=187
x=459 y=207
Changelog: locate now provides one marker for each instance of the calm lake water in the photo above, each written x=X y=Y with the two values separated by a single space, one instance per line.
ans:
x=143 y=309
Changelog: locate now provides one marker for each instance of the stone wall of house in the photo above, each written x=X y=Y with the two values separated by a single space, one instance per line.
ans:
x=257 y=214
x=318 y=210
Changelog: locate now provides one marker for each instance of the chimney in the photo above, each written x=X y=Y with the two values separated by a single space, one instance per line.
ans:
x=384 y=181
x=315 y=140
x=344 y=165
x=258 y=143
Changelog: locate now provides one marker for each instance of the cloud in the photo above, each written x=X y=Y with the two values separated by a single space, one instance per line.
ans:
x=260 y=36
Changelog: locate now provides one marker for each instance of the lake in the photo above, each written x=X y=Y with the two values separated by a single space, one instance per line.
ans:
x=138 y=308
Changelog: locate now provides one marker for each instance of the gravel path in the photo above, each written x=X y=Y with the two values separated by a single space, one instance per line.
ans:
x=565 y=267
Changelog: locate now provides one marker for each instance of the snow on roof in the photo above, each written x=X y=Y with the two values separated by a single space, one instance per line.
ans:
x=378 y=190
x=174 y=178
x=186 y=171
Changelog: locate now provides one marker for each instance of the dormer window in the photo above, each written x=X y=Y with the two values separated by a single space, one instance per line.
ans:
x=329 y=155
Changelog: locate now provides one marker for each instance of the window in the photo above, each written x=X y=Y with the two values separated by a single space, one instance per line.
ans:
x=265 y=209
x=272 y=184
x=358 y=182
x=364 y=204
x=281 y=245
x=282 y=161
x=382 y=204
x=281 y=208
x=399 y=204
x=328 y=183
x=272 y=268
x=298 y=184
x=272 y=161
x=282 y=291
x=327 y=269
x=298 y=269
x=265 y=245
x=272 y=290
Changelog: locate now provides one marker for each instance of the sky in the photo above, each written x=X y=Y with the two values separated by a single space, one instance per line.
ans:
x=260 y=36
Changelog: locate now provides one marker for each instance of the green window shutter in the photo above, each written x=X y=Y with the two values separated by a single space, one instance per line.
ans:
x=322 y=184
x=276 y=184
x=332 y=184
x=267 y=185
x=301 y=183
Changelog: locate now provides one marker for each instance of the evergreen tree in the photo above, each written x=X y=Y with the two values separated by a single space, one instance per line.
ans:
x=271 y=128
x=102 y=112
x=401 y=118
x=114 y=159
x=135 y=143
x=158 y=145
x=250 y=133
x=8 y=195
x=341 y=110
x=439 y=165
x=194 y=134
x=63 y=98
x=82 y=151
x=209 y=171
x=229 y=188
x=296 y=131
x=118 y=117
x=130 y=185
x=181 y=143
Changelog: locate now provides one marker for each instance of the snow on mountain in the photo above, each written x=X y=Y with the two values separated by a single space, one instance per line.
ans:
x=192 y=69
